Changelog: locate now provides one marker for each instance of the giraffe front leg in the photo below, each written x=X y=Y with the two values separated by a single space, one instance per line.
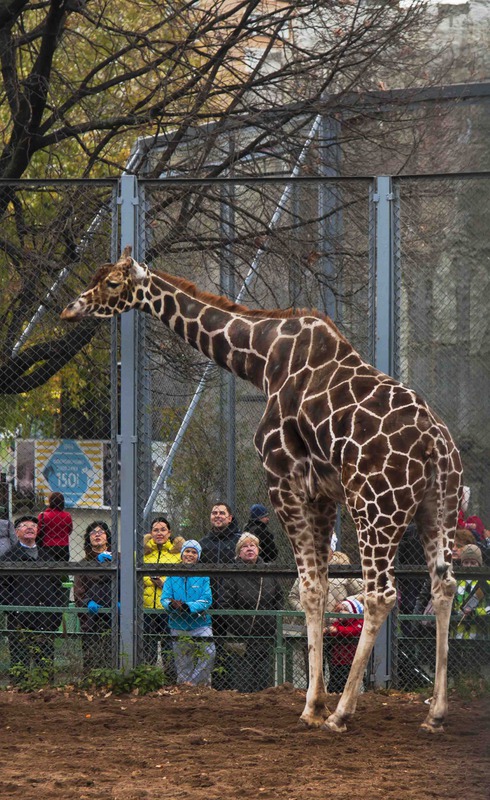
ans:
x=308 y=525
x=313 y=602
x=376 y=610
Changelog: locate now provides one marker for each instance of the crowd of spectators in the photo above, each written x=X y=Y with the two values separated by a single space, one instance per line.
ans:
x=188 y=626
x=469 y=631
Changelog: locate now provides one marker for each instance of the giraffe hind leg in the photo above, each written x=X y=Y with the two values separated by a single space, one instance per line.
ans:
x=442 y=594
x=443 y=588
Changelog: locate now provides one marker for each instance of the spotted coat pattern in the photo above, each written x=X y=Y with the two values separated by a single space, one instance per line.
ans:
x=335 y=429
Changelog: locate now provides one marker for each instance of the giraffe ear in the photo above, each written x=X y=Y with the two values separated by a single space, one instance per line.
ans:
x=138 y=271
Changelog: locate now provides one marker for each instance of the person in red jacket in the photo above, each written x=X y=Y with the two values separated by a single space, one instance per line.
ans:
x=345 y=632
x=55 y=526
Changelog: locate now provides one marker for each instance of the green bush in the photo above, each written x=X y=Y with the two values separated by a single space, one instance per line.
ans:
x=145 y=678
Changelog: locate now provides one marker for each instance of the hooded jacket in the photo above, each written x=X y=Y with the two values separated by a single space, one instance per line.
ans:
x=474 y=594
x=195 y=591
x=478 y=530
x=55 y=527
x=155 y=555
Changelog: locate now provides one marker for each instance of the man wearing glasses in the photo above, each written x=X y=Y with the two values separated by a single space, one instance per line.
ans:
x=30 y=633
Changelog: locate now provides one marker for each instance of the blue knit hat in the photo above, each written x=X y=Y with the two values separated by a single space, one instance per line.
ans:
x=195 y=546
x=258 y=511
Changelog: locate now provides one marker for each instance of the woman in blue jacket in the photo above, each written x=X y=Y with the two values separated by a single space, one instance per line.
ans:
x=187 y=599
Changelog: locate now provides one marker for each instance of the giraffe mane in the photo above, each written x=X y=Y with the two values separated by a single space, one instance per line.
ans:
x=101 y=273
x=219 y=301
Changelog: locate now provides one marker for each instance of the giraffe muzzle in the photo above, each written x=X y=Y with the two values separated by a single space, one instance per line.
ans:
x=73 y=311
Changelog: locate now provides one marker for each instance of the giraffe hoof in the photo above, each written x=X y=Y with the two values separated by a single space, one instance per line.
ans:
x=311 y=721
x=335 y=724
x=432 y=726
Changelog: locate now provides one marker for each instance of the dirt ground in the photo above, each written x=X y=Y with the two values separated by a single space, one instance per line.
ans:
x=200 y=743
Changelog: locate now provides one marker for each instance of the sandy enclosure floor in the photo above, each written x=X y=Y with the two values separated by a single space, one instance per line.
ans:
x=200 y=743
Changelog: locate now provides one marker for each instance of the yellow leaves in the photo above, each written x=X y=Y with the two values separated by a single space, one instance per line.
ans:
x=108 y=65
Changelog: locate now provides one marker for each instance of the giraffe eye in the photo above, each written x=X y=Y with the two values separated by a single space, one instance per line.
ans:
x=113 y=284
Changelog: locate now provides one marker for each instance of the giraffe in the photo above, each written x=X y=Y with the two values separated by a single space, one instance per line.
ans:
x=335 y=429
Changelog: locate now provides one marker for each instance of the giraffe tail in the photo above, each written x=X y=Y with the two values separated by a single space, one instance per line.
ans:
x=444 y=513
x=442 y=566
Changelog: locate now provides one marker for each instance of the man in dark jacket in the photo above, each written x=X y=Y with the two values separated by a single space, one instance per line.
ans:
x=218 y=547
x=257 y=524
x=26 y=630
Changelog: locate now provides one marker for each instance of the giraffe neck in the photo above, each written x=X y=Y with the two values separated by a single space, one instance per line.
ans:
x=231 y=340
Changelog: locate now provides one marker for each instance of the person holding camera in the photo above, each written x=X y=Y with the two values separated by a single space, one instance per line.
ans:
x=157 y=549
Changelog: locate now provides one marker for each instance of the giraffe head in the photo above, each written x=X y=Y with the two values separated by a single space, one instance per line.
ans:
x=112 y=290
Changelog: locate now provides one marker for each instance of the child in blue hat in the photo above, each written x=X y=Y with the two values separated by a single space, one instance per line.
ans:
x=187 y=599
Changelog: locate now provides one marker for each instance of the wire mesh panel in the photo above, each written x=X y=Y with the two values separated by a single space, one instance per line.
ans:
x=445 y=280
x=243 y=627
x=274 y=247
x=443 y=354
x=56 y=427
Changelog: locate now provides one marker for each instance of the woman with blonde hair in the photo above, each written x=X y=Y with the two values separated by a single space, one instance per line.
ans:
x=251 y=657
x=338 y=588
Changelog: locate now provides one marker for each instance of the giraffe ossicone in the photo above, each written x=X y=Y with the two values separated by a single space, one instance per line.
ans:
x=335 y=429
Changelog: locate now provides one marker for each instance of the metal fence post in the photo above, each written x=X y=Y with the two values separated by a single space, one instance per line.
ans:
x=383 y=358
x=329 y=213
x=228 y=381
x=279 y=649
x=128 y=200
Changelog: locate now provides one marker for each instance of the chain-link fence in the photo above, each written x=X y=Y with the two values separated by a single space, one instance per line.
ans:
x=79 y=402
x=57 y=419
x=442 y=290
